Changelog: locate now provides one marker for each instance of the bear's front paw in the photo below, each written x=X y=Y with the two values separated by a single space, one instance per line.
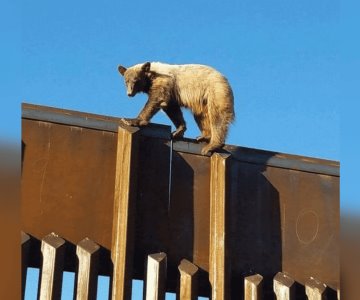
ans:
x=131 y=122
x=179 y=132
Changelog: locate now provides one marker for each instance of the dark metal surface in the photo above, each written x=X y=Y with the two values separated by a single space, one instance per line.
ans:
x=269 y=158
x=151 y=220
x=286 y=220
x=284 y=208
x=68 y=181
x=86 y=120
x=107 y=123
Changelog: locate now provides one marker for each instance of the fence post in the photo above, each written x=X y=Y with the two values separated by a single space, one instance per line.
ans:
x=219 y=270
x=53 y=250
x=284 y=287
x=315 y=290
x=188 y=280
x=253 y=287
x=87 y=252
x=124 y=212
x=156 y=276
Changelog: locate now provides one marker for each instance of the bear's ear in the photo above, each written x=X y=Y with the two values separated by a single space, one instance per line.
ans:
x=122 y=70
x=146 y=67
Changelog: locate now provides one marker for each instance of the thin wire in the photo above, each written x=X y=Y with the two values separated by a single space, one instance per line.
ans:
x=170 y=175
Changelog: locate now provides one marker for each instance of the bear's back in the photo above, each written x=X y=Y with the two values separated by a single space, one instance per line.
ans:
x=195 y=84
x=189 y=70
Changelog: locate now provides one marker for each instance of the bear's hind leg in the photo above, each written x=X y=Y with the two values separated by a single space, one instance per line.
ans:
x=219 y=128
x=174 y=112
x=203 y=123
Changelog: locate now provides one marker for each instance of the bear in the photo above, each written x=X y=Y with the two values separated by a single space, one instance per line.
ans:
x=200 y=88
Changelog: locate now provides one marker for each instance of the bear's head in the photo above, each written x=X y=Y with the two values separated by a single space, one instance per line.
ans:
x=136 y=78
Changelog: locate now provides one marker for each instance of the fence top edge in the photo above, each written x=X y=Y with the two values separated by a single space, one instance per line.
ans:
x=243 y=154
x=87 y=120
x=267 y=158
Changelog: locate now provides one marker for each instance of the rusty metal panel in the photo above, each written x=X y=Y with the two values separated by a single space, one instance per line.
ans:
x=255 y=222
x=309 y=206
x=189 y=216
x=287 y=220
x=189 y=209
x=151 y=220
x=68 y=181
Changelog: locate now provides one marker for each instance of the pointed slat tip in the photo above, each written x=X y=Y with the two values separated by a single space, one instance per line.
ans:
x=188 y=267
x=255 y=279
x=283 y=279
x=88 y=245
x=53 y=240
x=24 y=237
x=315 y=285
x=158 y=256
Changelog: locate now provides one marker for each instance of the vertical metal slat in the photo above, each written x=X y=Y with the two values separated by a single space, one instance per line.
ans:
x=156 y=276
x=284 y=287
x=188 y=280
x=253 y=287
x=87 y=252
x=315 y=290
x=53 y=249
x=219 y=270
x=124 y=212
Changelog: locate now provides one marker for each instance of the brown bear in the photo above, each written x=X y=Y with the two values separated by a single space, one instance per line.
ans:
x=202 y=89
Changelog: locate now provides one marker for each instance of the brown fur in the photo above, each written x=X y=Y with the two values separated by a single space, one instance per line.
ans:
x=200 y=88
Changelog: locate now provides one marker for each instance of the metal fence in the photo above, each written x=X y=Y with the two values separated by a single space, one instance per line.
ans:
x=130 y=203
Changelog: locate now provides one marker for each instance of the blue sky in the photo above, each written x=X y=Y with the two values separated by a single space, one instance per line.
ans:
x=281 y=58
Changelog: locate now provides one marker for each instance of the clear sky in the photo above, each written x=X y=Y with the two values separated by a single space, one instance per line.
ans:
x=281 y=58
